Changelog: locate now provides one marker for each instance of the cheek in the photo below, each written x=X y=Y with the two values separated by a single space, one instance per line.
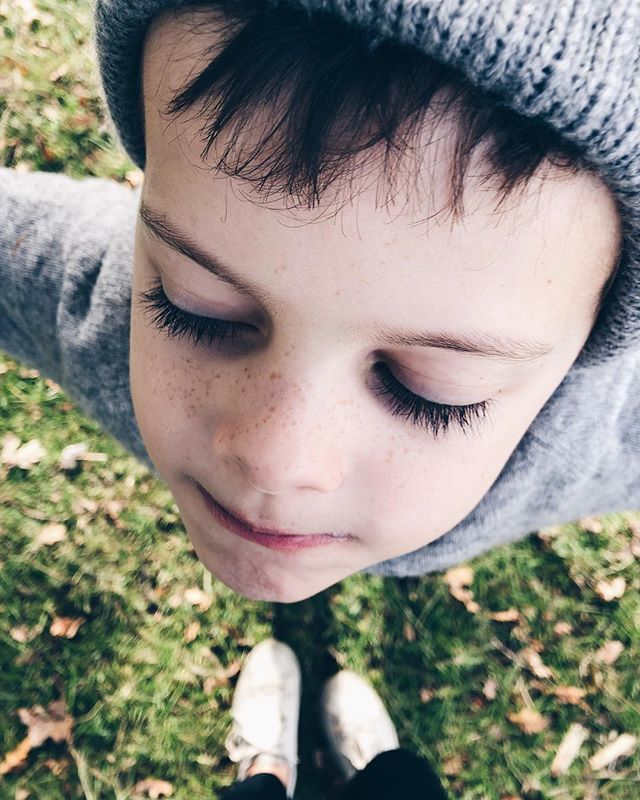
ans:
x=421 y=492
x=162 y=394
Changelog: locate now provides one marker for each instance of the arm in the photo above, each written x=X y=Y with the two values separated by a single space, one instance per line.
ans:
x=66 y=256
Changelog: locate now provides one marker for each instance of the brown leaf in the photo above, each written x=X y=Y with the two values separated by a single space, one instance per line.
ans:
x=490 y=689
x=621 y=747
x=196 y=597
x=562 y=628
x=610 y=652
x=591 y=524
x=134 y=178
x=611 y=590
x=457 y=579
x=453 y=765
x=572 y=695
x=112 y=509
x=221 y=678
x=73 y=453
x=23 y=456
x=569 y=748
x=65 y=626
x=426 y=695
x=529 y=720
x=52 y=534
x=535 y=663
x=547 y=534
x=56 y=766
x=59 y=72
x=23 y=634
x=510 y=615
x=409 y=632
x=191 y=631
x=154 y=788
x=16 y=758
x=54 y=723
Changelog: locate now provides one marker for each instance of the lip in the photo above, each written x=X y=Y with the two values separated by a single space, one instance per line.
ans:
x=274 y=541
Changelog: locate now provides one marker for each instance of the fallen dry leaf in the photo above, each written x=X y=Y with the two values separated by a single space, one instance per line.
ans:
x=409 y=632
x=509 y=615
x=453 y=765
x=611 y=590
x=547 y=534
x=591 y=524
x=458 y=579
x=426 y=695
x=73 y=453
x=52 y=534
x=562 y=628
x=191 y=631
x=196 y=597
x=221 y=678
x=490 y=689
x=610 y=652
x=65 y=626
x=154 y=788
x=529 y=720
x=23 y=634
x=54 y=723
x=535 y=663
x=25 y=456
x=134 y=178
x=621 y=747
x=56 y=766
x=112 y=509
x=572 y=695
x=16 y=758
x=569 y=748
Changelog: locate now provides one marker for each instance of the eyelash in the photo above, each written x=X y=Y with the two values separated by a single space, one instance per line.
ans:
x=433 y=417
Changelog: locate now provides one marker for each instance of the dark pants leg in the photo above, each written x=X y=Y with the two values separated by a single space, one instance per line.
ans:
x=396 y=773
x=258 y=787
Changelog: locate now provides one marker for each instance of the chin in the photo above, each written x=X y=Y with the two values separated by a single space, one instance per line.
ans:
x=264 y=587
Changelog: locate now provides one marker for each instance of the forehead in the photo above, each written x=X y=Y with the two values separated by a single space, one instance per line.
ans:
x=549 y=248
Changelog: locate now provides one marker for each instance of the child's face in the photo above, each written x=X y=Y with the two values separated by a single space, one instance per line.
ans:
x=291 y=407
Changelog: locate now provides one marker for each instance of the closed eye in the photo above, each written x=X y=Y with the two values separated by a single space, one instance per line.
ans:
x=435 y=418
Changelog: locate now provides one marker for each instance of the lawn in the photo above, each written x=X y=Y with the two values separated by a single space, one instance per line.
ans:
x=106 y=613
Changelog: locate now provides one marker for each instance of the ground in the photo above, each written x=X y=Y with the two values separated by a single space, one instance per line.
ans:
x=105 y=610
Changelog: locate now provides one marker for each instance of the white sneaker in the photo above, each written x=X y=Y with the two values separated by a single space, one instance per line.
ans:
x=266 y=708
x=356 y=722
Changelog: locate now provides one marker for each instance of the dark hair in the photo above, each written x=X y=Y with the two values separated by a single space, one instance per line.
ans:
x=334 y=92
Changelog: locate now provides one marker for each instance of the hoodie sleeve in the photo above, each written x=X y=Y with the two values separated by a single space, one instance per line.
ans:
x=66 y=258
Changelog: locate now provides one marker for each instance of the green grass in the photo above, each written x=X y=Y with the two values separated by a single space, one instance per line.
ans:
x=148 y=703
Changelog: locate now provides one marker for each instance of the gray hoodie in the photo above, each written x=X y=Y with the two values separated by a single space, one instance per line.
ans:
x=66 y=256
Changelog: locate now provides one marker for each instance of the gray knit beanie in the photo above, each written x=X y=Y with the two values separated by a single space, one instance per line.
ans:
x=573 y=63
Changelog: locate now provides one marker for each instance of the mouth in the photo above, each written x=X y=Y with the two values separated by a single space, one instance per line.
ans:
x=272 y=540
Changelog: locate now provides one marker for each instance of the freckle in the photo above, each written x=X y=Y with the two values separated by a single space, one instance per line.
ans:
x=275 y=375
x=272 y=409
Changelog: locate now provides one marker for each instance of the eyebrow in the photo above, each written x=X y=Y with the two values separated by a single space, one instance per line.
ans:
x=482 y=343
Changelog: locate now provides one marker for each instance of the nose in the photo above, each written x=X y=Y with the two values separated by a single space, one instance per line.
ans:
x=285 y=443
